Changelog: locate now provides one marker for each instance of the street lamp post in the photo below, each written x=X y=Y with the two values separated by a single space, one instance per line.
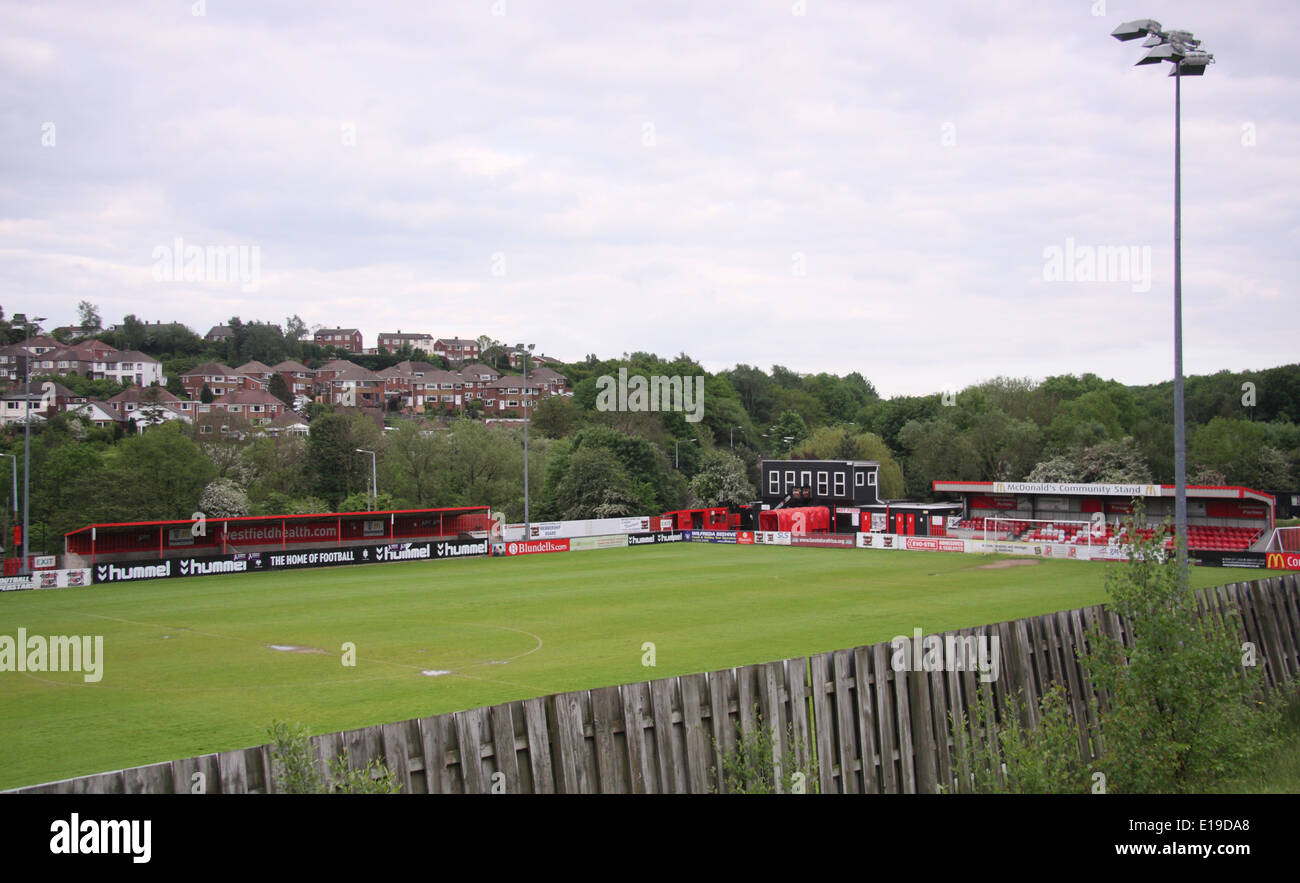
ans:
x=374 y=479
x=27 y=440
x=524 y=354
x=1182 y=50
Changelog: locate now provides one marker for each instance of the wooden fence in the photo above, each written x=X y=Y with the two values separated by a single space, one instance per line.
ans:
x=846 y=719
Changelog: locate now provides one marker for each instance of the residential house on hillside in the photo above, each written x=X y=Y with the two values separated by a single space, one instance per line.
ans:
x=456 y=349
x=219 y=334
x=476 y=376
x=96 y=413
x=129 y=366
x=394 y=341
x=100 y=361
x=13 y=358
x=41 y=401
x=345 y=338
x=510 y=393
x=287 y=424
x=134 y=398
x=300 y=379
x=340 y=382
x=219 y=378
x=552 y=381
x=257 y=406
x=257 y=370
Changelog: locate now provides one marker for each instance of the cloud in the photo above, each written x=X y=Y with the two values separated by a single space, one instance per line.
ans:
x=859 y=188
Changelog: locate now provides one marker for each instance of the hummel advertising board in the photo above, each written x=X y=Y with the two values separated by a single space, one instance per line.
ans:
x=649 y=539
x=254 y=562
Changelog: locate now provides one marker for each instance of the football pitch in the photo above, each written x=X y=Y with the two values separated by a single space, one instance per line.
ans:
x=205 y=664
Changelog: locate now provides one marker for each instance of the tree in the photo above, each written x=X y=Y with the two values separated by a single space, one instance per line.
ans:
x=1059 y=469
x=1234 y=447
x=158 y=475
x=721 y=481
x=788 y=430
x=594 y=483
x=1112 y=461
x=206 y=396
x=133 y=333
x=223 y=499
x=556 y=416
x=839 y=443
x=278 y=388
x=88 y=317
x=336 y=467
x=1182 y=709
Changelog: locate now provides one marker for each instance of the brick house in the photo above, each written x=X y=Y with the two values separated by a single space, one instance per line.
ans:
x=476 y=376
x=509 y=393
x=257 y=406
x=129 y=401
x=300 y=379
x=219 y=378
x=551 y=381
x=416 y=384
x=456 y=349
x=394 y=341
x=340 y=382
x=39 y=400
x=345 y=338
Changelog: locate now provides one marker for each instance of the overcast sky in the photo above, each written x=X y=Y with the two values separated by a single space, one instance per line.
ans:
x=831 y=186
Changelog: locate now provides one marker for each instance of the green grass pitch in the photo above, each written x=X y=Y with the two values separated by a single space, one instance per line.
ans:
x=189 y=669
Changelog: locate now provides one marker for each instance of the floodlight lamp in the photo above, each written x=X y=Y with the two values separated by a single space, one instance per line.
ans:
x=1131 y=30
x=1194 y=64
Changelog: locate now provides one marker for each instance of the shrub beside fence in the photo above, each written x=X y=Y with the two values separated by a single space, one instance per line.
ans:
x=874 y=730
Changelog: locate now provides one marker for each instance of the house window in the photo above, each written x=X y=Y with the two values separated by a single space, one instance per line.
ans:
x=805 y=478
x=871 y=478
x=839 y=484
x=774 y=482
x=859 y=479
x=823 y=484
x=206 y=429
x=789 y=479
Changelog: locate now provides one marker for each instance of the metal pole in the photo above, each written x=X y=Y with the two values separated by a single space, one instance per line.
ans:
x=374 y=481
x=527 y=531
x=27 y=448
x=1180 y=426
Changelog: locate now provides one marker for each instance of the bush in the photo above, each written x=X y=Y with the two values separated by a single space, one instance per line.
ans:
x=1019 y=760
x=750 y=768
x=296 y=772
